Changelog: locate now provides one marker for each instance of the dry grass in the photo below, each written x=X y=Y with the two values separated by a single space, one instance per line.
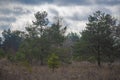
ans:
x=75 y=71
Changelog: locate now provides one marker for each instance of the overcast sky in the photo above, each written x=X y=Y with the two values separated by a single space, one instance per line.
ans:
x=15 y=14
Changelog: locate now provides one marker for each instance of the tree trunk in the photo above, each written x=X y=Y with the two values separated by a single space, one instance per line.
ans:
x=99 y=57
x=41 y=61
x=53 y=70
x=99 y=60
x=41 y=57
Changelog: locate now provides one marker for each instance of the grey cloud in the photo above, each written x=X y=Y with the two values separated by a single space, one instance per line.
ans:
x=15 y=11
x=88 y=2
x=109 y=2
x=21 y=10
x=60 y=2
x=31 y=2
x=34 y=1
x=7 y=19
x=53 y=11
x=83 y=17
x=9 y=15
x=4 y=26
x=73 y=2
x=65 y=2
x=103 y=9
x=78 y=17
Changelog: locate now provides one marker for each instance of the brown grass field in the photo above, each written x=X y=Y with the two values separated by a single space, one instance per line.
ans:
x=75 y=71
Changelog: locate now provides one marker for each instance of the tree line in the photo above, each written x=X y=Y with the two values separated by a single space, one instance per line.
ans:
x=42 y=44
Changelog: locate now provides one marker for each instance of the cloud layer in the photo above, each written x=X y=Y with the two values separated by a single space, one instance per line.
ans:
x=15 y=14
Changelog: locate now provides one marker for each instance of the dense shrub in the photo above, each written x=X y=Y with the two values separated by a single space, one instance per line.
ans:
x=20 y=57
x=2 y=54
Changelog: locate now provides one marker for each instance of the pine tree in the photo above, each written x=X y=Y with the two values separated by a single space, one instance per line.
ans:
x=53 y=62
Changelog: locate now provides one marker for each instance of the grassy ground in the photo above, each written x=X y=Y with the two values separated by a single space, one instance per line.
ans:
x=76 y=71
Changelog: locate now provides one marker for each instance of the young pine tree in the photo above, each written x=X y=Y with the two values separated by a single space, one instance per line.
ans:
x=53 y=62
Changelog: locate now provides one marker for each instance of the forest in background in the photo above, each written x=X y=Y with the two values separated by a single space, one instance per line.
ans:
x=43 y=45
